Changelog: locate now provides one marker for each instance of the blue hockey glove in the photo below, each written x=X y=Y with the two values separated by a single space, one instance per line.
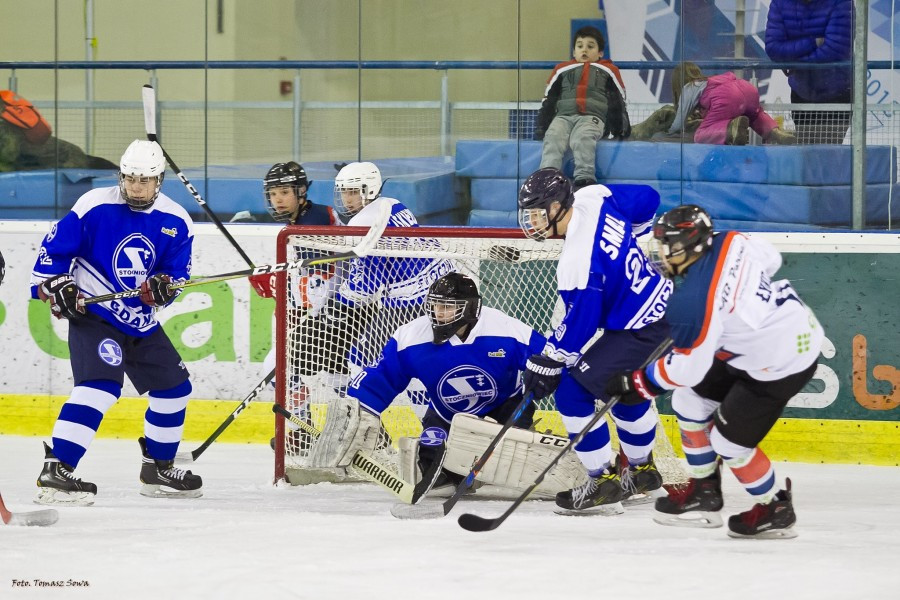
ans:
x=542 y=375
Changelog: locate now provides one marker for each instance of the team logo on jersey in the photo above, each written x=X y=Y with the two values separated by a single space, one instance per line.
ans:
x=132 y=260
x=110 y=352
x=466 y=389
x=498 y=354
x=560 y=331
x=52 y=233
x=433 y=436
x=170 y=231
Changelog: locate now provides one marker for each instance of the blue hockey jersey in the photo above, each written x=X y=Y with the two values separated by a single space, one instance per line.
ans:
x=474 y=376
x=604 y=278
x=396 y=281
x=108 y=247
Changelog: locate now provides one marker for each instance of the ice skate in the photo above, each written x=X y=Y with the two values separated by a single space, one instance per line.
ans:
x=641 y=484
x=57 y=485
x=774 y=520
x=161 y=479
x=696 y=504
x=598 y=495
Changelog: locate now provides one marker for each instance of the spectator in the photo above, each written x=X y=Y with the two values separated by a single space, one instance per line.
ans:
x=584 y=102
x=819 y=31
x=728 y=106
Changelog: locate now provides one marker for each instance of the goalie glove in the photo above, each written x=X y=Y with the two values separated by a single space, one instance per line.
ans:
x=155 y=291
x=542 y=375
x=632 y=387
x=66 y=300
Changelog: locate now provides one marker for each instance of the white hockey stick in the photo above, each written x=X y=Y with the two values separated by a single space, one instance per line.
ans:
x=363 y=464
x=367 y=243
x=35 y=518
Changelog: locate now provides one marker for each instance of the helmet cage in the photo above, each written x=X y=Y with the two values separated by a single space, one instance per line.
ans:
x=465 y=311
x=143 y=163
x=364 y=178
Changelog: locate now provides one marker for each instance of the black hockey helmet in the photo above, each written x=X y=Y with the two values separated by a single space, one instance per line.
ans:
x=289 y=174
x=685 y=233
x=456 y=290
x=2 y=268
x=541 y=189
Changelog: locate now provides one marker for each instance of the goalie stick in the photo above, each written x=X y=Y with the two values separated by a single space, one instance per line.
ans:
x=363 y=463
x=426 y=511
x=471 y=522
x=365 y=245
x=34 y=518
x=148 y=95
x=195 y=454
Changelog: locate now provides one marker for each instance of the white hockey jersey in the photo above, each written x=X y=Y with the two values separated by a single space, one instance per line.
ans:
x=728 y=307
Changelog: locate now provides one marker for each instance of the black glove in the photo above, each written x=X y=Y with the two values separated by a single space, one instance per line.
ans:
x=66 y=300
x=632 y=387
x=542 y=375
x=155 y=291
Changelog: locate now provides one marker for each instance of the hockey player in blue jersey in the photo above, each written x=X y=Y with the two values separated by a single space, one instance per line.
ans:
x=395 y=285
x=114 y=239
x=744 y=345
x=605 y=282
x=469 y=359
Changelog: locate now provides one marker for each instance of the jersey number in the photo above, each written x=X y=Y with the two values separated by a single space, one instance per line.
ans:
x=634 y=269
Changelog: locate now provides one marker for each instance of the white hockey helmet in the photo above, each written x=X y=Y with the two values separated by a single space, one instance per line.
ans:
x=141 y=173
x=355 y=186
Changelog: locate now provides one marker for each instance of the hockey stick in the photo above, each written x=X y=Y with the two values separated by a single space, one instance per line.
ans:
x=365 y=245
x=417 y=511
x=36 y=518
x=149 y=98
x=472 y=522
x=195 y=454
x=363 y=464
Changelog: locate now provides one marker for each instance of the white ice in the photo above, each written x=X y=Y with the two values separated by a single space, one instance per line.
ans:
x=247 y=539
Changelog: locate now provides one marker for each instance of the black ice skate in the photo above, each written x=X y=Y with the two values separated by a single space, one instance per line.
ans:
x=162 y=480
x=598 y=495
x=766 y=521
x=57 y=484
x=641 y=483
x=696 y=504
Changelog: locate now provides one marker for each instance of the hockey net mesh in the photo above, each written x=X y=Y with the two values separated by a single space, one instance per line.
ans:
x=322 y=347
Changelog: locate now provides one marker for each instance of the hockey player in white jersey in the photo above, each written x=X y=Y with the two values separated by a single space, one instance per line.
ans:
x=605 y=282
x=744 y=345
x=394 y=284
x=115 y=239
x=468 y=357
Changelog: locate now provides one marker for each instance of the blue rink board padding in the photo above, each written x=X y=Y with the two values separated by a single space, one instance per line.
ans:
x=787 y=165
x=37 y=194
x=736 y=201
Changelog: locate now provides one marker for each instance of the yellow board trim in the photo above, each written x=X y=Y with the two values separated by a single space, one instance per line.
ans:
x=796 y=440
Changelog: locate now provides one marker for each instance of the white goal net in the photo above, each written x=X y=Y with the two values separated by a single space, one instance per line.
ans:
x=321 y=345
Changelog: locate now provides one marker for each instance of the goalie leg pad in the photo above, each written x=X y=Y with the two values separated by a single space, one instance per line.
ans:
x=347 y=429
x=516 y=462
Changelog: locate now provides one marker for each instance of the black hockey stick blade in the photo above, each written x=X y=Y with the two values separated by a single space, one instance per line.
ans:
x=471 y=522
x=195 y=454
x=34 y=518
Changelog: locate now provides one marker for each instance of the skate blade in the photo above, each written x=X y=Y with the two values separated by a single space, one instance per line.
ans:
x=698 y=519
x=54 y=497
x=771 y=534
x=644 y=498
x=603 y=510
x=158 y=491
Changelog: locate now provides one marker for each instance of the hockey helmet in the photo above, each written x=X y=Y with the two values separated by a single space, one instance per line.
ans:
x=680 y=237
x=540 y=190
x=141 y=173
x=453 y=302
x=2 y=268
x=289 y=174
x=356 y=185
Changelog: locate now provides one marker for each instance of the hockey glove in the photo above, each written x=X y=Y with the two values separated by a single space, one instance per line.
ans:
x=155 y=291
x=66 y=300
x=632 y=387
x=542 y=375
x=264 y=284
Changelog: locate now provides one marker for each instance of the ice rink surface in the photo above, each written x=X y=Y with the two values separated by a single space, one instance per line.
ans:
x=247 y=539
